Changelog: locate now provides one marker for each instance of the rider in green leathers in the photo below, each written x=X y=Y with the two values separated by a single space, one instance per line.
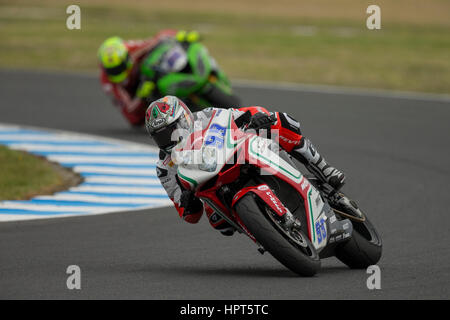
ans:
x=173 y=62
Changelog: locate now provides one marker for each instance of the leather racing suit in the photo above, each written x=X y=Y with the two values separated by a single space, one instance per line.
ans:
x=290 y=139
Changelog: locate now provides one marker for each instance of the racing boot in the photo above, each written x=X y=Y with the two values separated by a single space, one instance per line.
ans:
x=307 y=154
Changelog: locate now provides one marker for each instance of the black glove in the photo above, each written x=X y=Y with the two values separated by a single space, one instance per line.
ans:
x=261 y=121
x=243 y=119
x=190 y=202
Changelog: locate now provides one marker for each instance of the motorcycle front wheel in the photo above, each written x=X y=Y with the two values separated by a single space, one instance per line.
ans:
x=292 y=248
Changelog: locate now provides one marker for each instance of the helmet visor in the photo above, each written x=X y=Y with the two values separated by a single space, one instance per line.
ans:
x=163 y=137
x=167 y=137
x=119 y=72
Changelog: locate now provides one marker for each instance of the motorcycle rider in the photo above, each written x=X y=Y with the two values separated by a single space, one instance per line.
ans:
x=167 y=114
x=130 y=69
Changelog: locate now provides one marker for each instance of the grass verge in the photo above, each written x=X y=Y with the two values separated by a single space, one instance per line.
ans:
x=23 y=176
x=318 y=42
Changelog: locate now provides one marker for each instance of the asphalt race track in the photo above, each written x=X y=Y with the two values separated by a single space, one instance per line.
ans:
x=395 y=152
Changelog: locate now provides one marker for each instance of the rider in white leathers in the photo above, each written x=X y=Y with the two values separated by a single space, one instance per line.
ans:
x=167 y=114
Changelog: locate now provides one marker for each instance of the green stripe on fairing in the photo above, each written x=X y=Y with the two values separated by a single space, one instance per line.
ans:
x=311 y=215
x=233 y=145
x=149 y=62
x=192 y=181
x=195 y=183
x=229 y=144
x=296 y=177
x=271 y=162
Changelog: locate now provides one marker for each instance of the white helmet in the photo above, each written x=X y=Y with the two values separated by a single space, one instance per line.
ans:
x=163 y=117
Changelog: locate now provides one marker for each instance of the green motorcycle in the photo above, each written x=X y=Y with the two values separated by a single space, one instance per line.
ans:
x=186 y=70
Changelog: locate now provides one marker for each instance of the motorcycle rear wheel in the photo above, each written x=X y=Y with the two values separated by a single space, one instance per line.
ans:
x=364 y=247
x=278 y=244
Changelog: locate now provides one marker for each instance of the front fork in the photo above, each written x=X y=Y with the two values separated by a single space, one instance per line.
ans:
x=290 y=221
x=223 y=215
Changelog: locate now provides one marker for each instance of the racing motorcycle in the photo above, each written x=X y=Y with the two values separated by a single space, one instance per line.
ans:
x=192 y=74
x=256 y=187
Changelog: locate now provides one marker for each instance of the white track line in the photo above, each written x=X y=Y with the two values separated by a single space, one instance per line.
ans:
x=104 y=160
x=54 y=208
x=115 y=170
x=47 y=138
x=119 y=189
x=87 y=148
x=120 y=175
x=341 y=90
x=105 y=199
x=124 y=180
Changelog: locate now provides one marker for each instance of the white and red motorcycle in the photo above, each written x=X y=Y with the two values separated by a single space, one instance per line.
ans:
x=257 y=188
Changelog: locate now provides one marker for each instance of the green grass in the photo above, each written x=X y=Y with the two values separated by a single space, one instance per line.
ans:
x=23 y=175
x=405 y=55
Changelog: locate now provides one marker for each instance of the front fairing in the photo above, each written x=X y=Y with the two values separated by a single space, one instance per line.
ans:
x=199 y=60
x=261 y=153
x=180 y=83
x=194 y=155
x=203 y=73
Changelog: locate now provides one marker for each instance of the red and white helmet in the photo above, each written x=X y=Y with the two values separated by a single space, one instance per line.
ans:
x=166 y=115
